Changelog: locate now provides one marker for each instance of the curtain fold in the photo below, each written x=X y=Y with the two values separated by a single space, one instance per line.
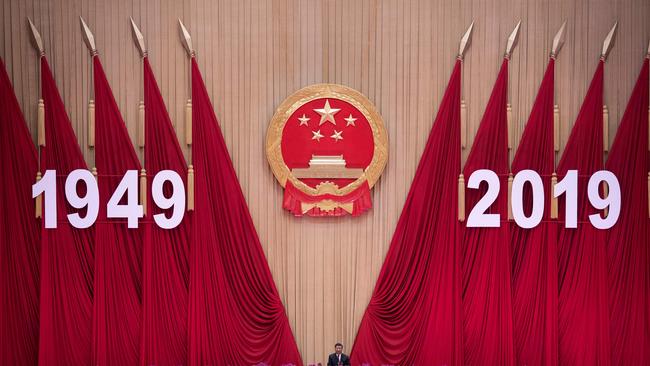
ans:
x=117 y=309
x=67 y=254
x=627 y=245
x=534 y=251
x=165 y=260
x=583 y=310
x=236 y=316
x=414 y=315
x=20 y=240
x=486 y=290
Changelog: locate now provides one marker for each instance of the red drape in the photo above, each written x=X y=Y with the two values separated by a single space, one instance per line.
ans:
x=414 y=315
x=236 y=316
x=487 y=309
x=627 y=247
x=534 y=251
x=19 y=234
x=583 y=313
x=67 y=256
x=165 y=260
x=118 y=257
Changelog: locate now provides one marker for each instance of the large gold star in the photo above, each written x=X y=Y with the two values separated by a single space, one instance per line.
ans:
x=327 y=113
x=337 y=136
x=303 y=120
x=317 y=136
x=350 y=120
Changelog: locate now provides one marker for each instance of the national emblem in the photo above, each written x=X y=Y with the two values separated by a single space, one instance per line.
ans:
x=327 y=147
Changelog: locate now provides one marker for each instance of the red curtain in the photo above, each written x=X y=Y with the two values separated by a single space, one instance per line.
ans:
x=236 y=316
x=19 y=234
x=627 y=247
x=67 y=255
x=165 y=262
x=583 y=311
x=534 y=251
x=118 y=253
x=487 y=309
x=414 y=315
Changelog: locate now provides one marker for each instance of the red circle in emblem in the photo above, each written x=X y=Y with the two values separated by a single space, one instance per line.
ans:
x=327 y=127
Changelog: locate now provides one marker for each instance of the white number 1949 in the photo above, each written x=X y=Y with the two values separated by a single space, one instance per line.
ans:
x=132 y=211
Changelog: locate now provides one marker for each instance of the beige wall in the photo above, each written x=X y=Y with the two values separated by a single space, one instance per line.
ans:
x=253 y=54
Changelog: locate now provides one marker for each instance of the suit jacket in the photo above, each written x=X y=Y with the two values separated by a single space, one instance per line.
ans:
x=333 y=360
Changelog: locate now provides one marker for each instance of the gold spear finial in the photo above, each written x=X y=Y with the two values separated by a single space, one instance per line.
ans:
x=139 y=39
x=609 y=42
x=465 y=41
x=187 y=39
x=512 y=40
x=36 y=37
x=89 y=39
x=558 y=41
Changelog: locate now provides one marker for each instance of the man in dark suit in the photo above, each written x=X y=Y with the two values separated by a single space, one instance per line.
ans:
x=338 y=358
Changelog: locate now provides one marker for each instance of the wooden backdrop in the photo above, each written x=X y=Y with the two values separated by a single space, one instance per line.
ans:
x=253 y=54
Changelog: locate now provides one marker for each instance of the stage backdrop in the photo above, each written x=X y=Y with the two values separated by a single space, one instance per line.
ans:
x=255 y=53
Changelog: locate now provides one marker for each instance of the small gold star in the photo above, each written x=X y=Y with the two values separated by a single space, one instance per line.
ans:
x=317 y=136
x=337 y=135
x=327 y=113
x=303 y=120
x=350 y=120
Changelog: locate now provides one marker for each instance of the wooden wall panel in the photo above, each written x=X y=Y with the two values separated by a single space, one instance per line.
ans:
x=253 y=54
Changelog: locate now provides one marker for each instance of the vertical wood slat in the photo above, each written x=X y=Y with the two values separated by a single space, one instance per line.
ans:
x=253 y=55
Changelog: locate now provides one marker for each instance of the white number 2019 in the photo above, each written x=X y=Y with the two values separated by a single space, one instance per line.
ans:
x=568 y=186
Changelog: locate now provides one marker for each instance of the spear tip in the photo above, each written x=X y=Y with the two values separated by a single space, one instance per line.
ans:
x=512 y=40
x=139 y=38
x=36 y=37
x=465 y=41
x=186 y=38
x=89 y=39
x=608 y=43
x=558 y=40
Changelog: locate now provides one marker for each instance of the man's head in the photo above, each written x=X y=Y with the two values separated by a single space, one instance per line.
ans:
x=338 y=348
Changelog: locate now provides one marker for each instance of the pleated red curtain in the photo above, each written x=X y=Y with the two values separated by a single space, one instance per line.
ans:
x=165 y=262
x=236 y=316
x=67 y=254
x=117 y=315
x=583 y=311
x=534 y=251
x=487 y=309
x=628 y=245
x=414 y=315
x=20 y=239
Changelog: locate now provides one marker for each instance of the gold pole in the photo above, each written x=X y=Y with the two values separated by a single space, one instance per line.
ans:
x=463 y=124
x=143 y=190
x=41 y=122
x=605 y=129
x=39 y=198
x=510 y=179
x=554 y=203
x=141 y=122
x=188 y=122
x=556 y=128
x=187 y=43
x=91 y=123
x=190 y=187
x=461 y=198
